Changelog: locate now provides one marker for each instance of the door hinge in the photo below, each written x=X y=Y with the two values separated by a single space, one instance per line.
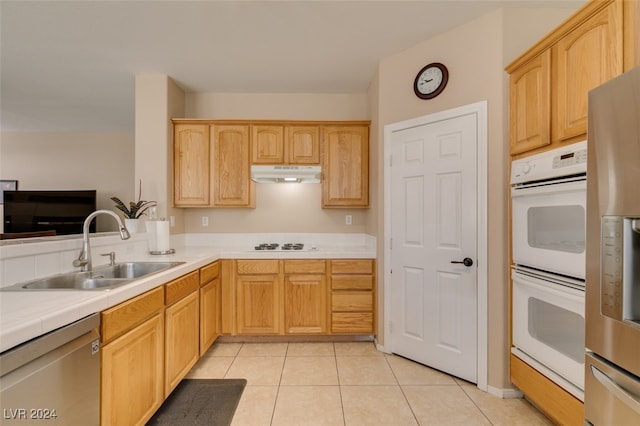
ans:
x=390 y=327
x=390 y=243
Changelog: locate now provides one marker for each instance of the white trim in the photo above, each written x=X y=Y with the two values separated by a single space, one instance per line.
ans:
x=480 y=109
x=504 y=393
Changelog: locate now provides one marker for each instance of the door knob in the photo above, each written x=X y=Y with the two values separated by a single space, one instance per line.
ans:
x=467 y=261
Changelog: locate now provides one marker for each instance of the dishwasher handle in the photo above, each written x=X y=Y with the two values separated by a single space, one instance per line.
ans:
x=27 y=352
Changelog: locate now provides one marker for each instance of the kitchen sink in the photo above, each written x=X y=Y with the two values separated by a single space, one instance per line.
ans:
x=71 y=283
x=132 y=270
x=102 y=278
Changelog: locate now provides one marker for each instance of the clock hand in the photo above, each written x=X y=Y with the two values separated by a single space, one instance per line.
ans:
x=429 y=80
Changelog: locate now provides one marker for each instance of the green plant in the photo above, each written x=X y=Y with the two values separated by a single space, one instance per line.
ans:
x=136 y=208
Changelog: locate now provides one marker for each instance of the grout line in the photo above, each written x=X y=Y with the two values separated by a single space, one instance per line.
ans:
x=474 y=403
x=415 y=417
x=335 y=359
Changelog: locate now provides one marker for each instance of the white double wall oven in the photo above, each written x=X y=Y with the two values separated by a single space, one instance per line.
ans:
x=549 y=197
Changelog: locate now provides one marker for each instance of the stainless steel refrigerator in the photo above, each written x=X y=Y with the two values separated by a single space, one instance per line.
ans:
x=612 y=367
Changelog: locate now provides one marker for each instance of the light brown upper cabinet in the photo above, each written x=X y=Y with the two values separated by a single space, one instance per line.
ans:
x=231 y=178
x=530 y=101
x=549 y=83
x=345 y=166
x=191 y=165
x=212 y=166
x=583 y=59
x=213 y=158
x=285 y=144
x=267 y=144
x=302 y=144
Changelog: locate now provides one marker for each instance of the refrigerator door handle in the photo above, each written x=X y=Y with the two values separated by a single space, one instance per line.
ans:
x=616 y=389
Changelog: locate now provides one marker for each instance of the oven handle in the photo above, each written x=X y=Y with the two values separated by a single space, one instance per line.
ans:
x=549 y=286
x=616 y=389
x=519 y=191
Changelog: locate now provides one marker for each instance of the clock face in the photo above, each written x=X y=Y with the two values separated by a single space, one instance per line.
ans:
x=430 y=81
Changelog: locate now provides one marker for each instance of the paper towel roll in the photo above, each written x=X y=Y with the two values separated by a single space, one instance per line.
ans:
x=158 y=236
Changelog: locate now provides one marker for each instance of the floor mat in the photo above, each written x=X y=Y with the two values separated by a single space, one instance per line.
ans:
x=210 y=402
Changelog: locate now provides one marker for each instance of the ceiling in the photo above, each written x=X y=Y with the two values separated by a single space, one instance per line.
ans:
x=70 y=65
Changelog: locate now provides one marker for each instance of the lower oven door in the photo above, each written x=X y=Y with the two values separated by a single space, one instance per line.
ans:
x=548 y=328
x=549 y=227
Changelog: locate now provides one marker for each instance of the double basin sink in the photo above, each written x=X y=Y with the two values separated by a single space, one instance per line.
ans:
x=101 y=278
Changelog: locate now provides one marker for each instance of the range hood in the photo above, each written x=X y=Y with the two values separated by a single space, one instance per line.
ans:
x=284 y=174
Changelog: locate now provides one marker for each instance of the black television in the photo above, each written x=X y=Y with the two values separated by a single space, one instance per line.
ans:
x=36 y=211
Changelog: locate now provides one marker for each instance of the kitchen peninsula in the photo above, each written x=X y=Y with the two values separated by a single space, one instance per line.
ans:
x=28 y=314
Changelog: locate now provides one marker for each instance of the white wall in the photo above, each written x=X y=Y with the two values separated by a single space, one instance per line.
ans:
x=475 y=54
x=101 y=161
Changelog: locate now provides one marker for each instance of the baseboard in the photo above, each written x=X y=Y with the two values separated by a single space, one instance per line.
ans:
x=504 y=393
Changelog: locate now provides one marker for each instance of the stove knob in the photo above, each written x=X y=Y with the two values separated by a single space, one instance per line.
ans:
x=526 y=168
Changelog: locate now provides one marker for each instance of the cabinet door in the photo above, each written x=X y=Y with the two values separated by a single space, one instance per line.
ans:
x=257 y=304
x=181 y=340
x=302 y=144
x=191 y=165
x=209 y=313
x=305 y=304
x=267 y=144
x=231 y=166
x=588 y=56
x=131 y=375
x=345 y=162
x=530 y=105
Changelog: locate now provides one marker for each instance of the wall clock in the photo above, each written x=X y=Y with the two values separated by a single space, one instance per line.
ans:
x=431 y=81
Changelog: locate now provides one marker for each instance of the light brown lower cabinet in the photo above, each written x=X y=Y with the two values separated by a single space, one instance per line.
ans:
x=258 y=297
x=562 y=407
x=132 y=371
x=149 y=344
x=292 y=296
x=305 y=297
x=182 y=329
x=352 y=296
x=181 y=340
x=209 y=306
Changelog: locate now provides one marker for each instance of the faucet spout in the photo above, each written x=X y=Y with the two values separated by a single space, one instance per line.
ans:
x=84 y=259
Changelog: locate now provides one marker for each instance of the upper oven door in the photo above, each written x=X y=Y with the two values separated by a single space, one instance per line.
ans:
x=549 y=227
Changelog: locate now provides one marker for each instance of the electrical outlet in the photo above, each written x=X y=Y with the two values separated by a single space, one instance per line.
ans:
x=205 y=221
x=348 y=219
x=172 y=221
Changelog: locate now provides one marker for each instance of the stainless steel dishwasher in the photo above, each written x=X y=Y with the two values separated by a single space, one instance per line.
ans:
x=54 y=378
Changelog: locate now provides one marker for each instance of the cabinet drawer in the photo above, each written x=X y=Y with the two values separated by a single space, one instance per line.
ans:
x=304 y=266
x=352 y=322
x=123 y=317
x=256 y=267
x=352 y=301
x=177 y=289
x=209 y=272
x=352 y=266
x=352 y=282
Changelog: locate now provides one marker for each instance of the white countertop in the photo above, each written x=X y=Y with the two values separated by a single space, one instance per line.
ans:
x=25 y=315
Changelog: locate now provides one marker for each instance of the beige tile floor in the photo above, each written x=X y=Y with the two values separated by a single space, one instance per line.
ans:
x=351 y=383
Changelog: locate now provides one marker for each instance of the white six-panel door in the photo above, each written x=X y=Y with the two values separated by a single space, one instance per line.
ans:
x=434 y=222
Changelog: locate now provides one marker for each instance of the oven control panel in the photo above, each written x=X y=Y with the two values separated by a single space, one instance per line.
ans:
x=570 y=159
x=557 y=163
x=612 y=252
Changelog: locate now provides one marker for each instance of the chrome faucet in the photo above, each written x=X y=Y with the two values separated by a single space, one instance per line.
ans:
x=84 y=260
